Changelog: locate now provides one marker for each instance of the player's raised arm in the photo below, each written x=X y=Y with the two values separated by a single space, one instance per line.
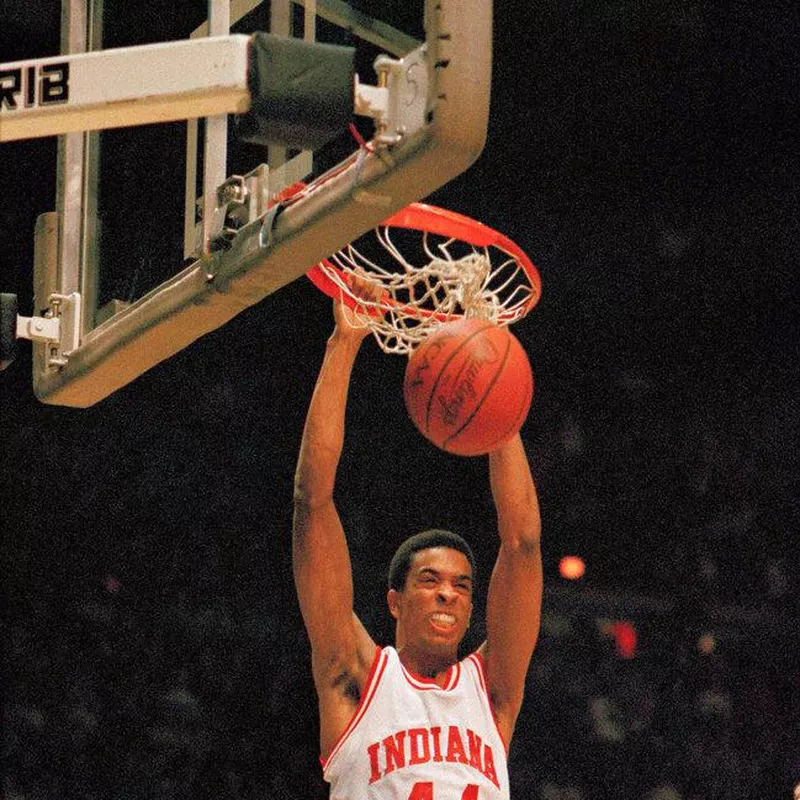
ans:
x=514 y=601
x=341 y=648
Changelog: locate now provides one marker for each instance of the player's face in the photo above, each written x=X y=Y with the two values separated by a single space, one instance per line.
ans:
x=436 y=603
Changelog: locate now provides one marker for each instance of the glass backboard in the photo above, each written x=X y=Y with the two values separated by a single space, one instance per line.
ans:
x=164 y=227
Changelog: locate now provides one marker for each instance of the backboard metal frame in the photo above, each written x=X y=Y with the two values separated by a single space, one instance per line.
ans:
x=434 y=143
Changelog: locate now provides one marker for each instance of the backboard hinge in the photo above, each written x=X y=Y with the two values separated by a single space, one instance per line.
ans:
x=59 y=328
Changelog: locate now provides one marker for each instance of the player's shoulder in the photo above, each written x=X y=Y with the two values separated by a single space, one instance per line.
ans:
x=475 y=662
x=480 y=652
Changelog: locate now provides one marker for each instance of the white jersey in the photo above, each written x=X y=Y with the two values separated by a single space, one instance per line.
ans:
x=411 y=739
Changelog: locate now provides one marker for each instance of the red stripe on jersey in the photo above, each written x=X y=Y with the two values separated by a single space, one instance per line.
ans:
x=370 y=687
x=418 y=682
x=478 y=660
x=455 y=674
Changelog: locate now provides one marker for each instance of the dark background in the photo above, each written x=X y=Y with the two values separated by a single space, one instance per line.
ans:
x=644 y=156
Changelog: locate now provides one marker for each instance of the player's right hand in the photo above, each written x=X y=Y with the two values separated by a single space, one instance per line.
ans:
x=354 y=321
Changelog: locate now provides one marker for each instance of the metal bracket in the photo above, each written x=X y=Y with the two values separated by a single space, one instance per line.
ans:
x=398 y=104
x=371 y=101
x=39 y=329
x=242 y=199
x=239 y=200
x=60 y=328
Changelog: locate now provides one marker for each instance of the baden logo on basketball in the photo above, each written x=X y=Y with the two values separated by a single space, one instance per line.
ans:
x=464 y=389
x=468 y=387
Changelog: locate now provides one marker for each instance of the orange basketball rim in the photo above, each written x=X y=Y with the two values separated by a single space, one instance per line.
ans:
x=431 y=266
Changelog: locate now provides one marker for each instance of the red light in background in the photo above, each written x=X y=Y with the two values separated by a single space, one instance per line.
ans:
x=625 y=638
x=572 y=568
x=707 y=644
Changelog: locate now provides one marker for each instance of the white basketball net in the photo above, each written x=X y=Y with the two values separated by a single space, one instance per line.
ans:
x=442 y=285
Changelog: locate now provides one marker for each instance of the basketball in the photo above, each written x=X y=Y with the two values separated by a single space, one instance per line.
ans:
x=468 y=387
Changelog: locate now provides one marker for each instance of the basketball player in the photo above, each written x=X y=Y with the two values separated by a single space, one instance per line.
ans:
x=411 y=722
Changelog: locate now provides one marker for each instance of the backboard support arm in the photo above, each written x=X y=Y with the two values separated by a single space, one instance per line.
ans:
x=436 y=140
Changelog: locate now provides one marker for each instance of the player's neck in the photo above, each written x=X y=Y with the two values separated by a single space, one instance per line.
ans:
x=425 y=664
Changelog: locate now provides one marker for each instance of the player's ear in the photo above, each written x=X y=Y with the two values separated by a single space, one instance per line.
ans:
x=393 y=598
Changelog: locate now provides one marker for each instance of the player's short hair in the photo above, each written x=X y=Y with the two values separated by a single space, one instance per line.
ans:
x=401 y=561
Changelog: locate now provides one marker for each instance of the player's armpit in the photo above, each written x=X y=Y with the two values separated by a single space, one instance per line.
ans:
x=340 y=683
x=343 y=670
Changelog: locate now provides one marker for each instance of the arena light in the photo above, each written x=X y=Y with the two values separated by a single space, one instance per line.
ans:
x=625 y=639
x=572 y=568
x=707 y=643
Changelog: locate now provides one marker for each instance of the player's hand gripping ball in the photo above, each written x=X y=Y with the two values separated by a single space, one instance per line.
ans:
x=468 y=387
